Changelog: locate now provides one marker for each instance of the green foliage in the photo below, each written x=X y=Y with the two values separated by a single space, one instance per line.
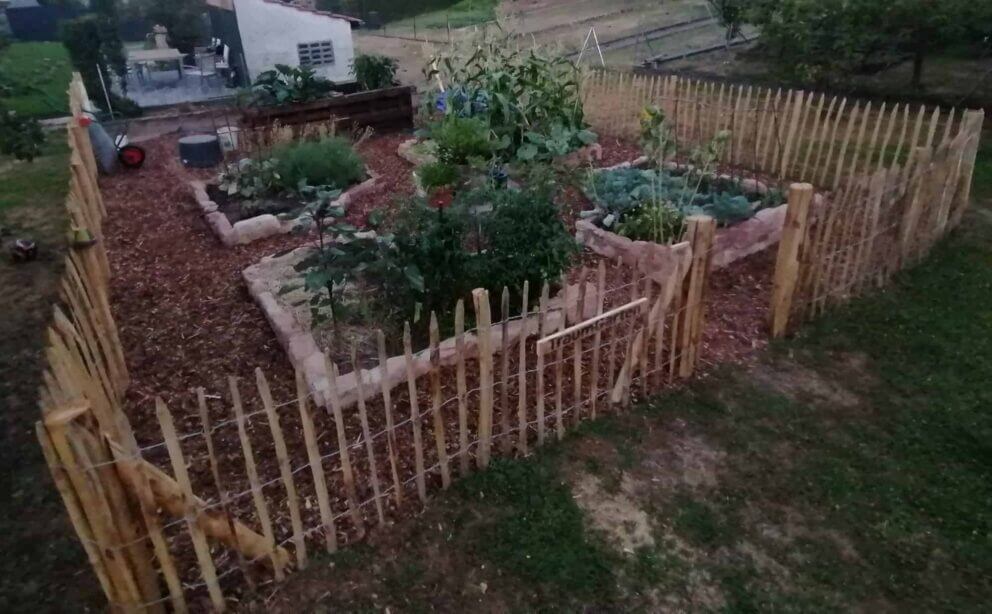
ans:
x=731 y=14
x=437 y=175
x=182 y=18
x=330 y=162
x=374 y=72
x=288 y=85
x=656 y=221
x=540 y=533
x=94 y=46
x=250 y=178
x=20 y=137
x=656 y=138
x=4 y=42
x=820 y=41
x=461 y=140
x=524 y=240
x=529 y=100
x=33 y=78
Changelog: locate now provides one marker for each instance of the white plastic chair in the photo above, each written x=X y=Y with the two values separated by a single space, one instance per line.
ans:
x=206 y=67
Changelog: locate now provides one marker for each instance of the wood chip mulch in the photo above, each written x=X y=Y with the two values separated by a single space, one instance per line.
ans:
x=185 y=317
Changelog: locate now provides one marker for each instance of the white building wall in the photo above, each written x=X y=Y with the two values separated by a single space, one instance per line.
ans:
x=270 y=33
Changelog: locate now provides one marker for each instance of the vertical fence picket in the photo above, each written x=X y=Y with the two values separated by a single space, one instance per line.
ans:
x=439 y=436
x=597 y=339
x=415 y=417
x=347 y=470
x=285 y=470
x=316 y=465
x=463 y=458
x=484 y=330
x=522 y=371
x=577 y=350
x=387 y=409
x=258 y=497
x=363 y=417
x=200 y=545
x=506 y=443
x=542 y=324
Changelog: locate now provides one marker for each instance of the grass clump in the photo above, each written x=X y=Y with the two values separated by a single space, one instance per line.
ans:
x=536 y=530
x=328 y=162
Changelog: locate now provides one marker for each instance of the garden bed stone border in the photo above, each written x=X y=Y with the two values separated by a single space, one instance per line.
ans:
x=730 y=245
x=262 y=226
x=305 y=355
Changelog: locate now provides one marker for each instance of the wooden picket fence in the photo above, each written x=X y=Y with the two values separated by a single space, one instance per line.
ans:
x=234 y=487
x=247 y=487
x=895 y=179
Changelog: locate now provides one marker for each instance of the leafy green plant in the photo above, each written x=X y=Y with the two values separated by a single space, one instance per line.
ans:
x=656 y=222
x=437 y=175
x=329 y=162
x=519 y=95
x=461 y=140
x=524 y=239
x=373 y=72
x=250 y=178
x=95 y=47
x=288 y=85
x=20 y=137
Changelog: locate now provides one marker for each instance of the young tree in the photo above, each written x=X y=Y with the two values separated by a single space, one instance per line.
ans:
x=730 y=14
x=821 y=39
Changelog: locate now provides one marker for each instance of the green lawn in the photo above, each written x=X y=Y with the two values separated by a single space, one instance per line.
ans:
x=45 y=68
x=458 y=15
x=44 y=564
x=849 y=469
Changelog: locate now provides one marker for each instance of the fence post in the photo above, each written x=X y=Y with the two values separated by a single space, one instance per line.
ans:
x=484 y=325
x=787 y=263
x=700 y=234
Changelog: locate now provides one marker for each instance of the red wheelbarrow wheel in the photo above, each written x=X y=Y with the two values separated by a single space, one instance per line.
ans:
x=131 y=156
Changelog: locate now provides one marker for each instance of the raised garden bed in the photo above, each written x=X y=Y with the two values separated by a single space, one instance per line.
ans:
x=734 y=241
x=383 y=110
x=225 y=216
x=307 y=346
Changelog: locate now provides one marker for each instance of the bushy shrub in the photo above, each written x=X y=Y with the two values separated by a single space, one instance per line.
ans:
x=288 y=85
x=461 y=140
x=329 y=162
x=524 y=239
x=437 y=175
x=530 y=100
x=373 y=72
x=21 y=137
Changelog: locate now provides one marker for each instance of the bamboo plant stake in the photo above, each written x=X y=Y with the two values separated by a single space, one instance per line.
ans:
x=258 y=497
x=463 y=458
x=522 y=372
x=316 y=465
x=387 y=408
x=439 y=436
x=418 y=438
x=347 y=472
x=285 y=470
x=363 y=417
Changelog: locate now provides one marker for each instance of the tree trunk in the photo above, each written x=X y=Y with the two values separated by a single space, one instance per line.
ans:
x=918 y=58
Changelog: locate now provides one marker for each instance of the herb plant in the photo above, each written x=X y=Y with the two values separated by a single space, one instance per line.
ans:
x=328 y=162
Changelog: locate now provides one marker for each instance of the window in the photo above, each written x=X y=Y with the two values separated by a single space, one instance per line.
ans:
x=316 y=54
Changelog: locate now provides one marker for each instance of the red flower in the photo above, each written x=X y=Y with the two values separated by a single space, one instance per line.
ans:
x=441 y=198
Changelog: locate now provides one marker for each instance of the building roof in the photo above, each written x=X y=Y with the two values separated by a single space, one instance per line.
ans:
x=297 y=7
x=22 y=4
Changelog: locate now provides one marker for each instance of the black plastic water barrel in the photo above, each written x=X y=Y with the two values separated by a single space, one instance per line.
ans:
x=200 y=151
